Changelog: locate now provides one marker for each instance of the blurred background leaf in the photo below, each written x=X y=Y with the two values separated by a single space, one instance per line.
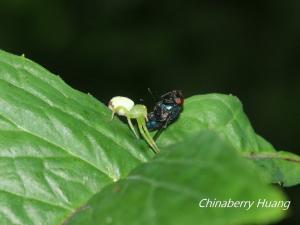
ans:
x=167 y=189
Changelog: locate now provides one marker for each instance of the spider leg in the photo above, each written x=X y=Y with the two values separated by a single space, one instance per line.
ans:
x=132 y=127
x=150 y=138
x=146 y=135
x=117 y=109
x=114 y=111
x=112 y=115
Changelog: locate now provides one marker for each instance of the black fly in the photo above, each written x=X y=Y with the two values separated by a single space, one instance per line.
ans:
x=166 y=111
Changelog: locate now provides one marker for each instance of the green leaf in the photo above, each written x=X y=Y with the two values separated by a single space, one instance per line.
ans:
x=279 y=167
x=224 y=115
x=57 y=146
x=167 y=190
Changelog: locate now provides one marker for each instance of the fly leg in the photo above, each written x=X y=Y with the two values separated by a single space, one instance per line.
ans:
x=162 y=128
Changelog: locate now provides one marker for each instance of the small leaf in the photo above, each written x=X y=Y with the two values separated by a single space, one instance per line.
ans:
x=279 y=167
x=167 y=190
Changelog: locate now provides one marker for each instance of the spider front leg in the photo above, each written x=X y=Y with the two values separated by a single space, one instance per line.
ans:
x=132 y=127
x=139 y=112
x=120 y=110
x=145 y=133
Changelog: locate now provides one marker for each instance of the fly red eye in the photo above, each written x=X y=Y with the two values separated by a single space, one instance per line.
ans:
x=179 y=101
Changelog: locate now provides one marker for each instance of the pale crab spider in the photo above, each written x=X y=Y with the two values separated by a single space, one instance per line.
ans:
x=124 y=106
